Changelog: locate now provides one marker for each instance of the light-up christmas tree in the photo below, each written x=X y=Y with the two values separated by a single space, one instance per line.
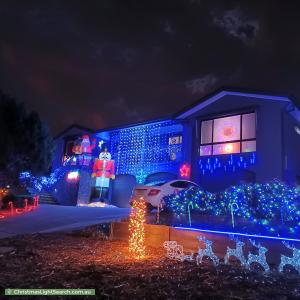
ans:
x=137 y=228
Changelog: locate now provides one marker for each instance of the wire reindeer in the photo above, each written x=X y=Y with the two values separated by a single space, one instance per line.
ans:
x=237 y=252
x=260 y=258
x=287 y=260
x=206 y=252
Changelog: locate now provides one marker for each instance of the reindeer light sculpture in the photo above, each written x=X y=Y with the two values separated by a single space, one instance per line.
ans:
x=206 y=252
x=294 y=261
x=237 y=252
x=260 y=258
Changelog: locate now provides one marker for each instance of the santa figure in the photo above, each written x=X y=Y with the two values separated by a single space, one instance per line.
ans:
x=103 y=171
x=84 y=150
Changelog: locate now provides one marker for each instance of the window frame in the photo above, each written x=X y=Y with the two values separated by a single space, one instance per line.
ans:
x=240 y=141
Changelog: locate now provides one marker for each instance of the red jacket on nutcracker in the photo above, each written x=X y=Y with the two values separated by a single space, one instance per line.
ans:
x=106 y=167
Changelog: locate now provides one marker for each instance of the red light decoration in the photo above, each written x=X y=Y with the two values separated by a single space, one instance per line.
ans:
x=12 y=211
x=185 y=171
x=137 y=228
x=153 y=192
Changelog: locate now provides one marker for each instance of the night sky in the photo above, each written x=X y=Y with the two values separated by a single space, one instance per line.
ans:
x=104 y=63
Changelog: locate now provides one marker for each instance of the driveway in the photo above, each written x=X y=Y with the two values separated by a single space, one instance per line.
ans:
x=50 y=218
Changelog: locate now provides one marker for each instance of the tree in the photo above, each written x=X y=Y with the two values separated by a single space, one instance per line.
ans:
x=26 y=144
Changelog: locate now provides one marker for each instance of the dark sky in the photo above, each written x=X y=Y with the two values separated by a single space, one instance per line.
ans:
x=107 y=62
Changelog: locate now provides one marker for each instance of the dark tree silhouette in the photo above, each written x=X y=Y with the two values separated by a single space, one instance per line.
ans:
x=26 y=144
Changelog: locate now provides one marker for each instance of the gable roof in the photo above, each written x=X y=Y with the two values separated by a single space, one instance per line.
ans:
x=71 y=127
x=222 y=92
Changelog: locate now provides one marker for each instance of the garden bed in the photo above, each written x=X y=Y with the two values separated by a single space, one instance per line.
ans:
x=85 y=259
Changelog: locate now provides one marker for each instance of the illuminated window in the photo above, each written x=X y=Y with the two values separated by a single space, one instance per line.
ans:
x=228 y=135
x=71 y=146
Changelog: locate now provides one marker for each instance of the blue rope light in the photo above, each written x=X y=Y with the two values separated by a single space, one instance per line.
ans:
x=238 y=234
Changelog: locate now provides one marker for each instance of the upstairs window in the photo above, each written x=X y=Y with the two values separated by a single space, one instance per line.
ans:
x=228 y=135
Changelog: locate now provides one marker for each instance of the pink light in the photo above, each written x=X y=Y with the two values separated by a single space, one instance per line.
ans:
x=73 y=176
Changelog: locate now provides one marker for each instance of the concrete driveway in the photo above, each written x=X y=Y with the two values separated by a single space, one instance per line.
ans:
x=50 y=218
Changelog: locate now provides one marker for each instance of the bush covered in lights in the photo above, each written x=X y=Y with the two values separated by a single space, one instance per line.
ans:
x=273 y=205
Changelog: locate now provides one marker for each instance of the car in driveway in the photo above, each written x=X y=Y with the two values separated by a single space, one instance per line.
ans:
x=154 y=192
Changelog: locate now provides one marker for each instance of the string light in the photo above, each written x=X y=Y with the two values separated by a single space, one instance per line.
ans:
x=293 y=261
x=39 y=183
x=175 y=251
x=137 y=228
x=185 y=171
x=230 y=162
x=12 y=210
x=236 y=252
x=207 y=251
x=259 y=258
x=270 y=207
x=146 y=149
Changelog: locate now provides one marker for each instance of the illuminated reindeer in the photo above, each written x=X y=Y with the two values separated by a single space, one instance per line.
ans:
x=206 y=252
x=293 y=261
x=260 y=258
x=237 y=252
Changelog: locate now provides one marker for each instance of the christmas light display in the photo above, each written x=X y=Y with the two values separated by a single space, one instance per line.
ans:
x=136 y=228
x=207 y=251
x=73 y=176
x=269 y=207
x=233 y=207
x=79 y=151
x=237 y=252
x=276 y=238
x=175 y=251
x=230 y=162
x=13 y=211
x=185 y=171
x=293 y=261
x=39 y=183
x=260 y=258
x=147 y=149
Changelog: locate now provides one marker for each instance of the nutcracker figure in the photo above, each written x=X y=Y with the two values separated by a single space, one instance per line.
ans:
x=103 y=171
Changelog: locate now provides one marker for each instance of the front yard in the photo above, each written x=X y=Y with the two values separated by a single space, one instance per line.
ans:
x=86 y=259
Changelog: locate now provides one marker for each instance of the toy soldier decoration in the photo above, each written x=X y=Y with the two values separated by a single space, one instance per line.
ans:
x=103 y=171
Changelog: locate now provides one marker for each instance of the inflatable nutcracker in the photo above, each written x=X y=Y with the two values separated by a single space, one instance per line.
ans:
x=83 y=148
x=103 y=171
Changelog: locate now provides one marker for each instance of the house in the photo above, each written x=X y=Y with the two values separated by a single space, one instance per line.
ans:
x=228 y=137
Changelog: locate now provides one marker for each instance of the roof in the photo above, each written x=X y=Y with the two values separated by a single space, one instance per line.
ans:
x=200 y=104
x=74 y=126
x=220 y=93
x=162 y=119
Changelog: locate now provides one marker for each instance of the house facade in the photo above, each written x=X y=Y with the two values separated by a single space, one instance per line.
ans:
x=227 y=138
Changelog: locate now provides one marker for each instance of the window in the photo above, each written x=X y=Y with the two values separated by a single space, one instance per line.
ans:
x=71 y=146
x=228 y=135
x=180 y=184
